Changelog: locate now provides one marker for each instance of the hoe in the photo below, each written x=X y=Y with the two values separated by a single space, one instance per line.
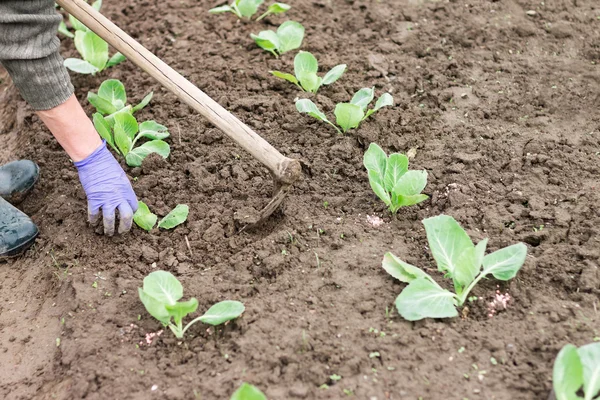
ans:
x=285 y=170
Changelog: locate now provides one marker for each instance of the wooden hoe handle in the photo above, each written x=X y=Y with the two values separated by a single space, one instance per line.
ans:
x=285 y=170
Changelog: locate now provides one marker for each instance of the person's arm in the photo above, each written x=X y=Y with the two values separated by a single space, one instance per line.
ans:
x=29 y=52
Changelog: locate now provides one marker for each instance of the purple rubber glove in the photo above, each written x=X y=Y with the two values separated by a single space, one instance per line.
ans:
x=107 y=187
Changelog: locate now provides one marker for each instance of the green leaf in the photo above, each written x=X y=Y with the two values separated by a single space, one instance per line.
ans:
x=153 y=130
x=92 y=48
x=103 y=129
x=97 y=5
x=376 y=160
x=122 y=139
x=62 y=28
x=248 y=8
x=116 y=59
x=111 y=117
x=310 y=81
x=384 y=100
x=348 y=115
x=447 y=241
x=222 y=312
x=567 y=375
x=144 y=102
x=305 y=62
x=221 y=9
x=401 y=270
x=308 y=107
x=144 y=218
x=80 y=66
x=290 y=35
x=377 y=186
x=334 y=74
x=424 y=299
x=305 y=69
x=125 y=129
x=113 y=91
x=275 y=8
x=397 y=166
x=411 y=183
x=182 y=308
x=177 y=216
x=363 y=97
x=154 y=307
x=76 y=24
x=103 y=106
x=248 y=392
x=286 y=76
x=136 y=156
x=163 y=287
x=590 y=359
x=407 y=201
x=504 y=264
x=267 y=40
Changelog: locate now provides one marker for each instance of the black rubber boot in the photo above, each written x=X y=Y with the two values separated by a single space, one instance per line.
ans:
x=17 y=179
x=17 y=231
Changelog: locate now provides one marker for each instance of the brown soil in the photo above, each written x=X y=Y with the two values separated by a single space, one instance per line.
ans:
x=502 y=107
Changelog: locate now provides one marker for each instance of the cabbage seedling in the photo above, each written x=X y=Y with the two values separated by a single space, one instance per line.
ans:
x=177 y=216
x=288 y=37
x=112 y=98
x=248 y=392
x=247 y=8
x=161 y=293
x=459 y=259
x=577 y=369
x=391 y=180
x=305 y=71
x=91 y=47
x=125 y=133
x=348 y=115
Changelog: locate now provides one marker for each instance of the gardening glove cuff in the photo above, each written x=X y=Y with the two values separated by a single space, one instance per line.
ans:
x=107 y=189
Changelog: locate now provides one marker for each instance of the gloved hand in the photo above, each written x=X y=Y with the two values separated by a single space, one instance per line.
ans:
x=107 y=187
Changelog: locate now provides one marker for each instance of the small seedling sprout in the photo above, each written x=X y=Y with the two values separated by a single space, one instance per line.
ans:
x=92 y=48
x=462 y=261
x=305 y=73
x=160 y=295
x=247 y=8
x=348 y=115
x=288 y=37
x=391 y=179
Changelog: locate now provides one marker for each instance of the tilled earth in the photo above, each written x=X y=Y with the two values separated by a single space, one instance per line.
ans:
x=499 y=99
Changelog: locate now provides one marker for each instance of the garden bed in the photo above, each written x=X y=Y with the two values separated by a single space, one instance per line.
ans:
x=501 y=106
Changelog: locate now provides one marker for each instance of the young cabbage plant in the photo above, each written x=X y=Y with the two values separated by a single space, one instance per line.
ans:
x=288 y=37
x=577 y=370
x=248 y=392
x=459 y=259
x=94 y=54
x=391 y=180
x=91 y=47
x=305 y=71
x=125 y=132
x=112 y=98
x=247 y=8
x=161 y=293
x=348 y=115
